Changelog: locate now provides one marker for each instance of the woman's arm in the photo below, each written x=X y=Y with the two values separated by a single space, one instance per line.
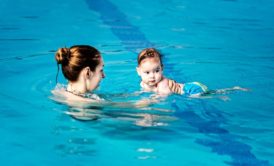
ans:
x=62 y=96
x=175 y=87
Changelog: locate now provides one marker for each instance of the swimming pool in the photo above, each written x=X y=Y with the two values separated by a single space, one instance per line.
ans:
x=220 y=43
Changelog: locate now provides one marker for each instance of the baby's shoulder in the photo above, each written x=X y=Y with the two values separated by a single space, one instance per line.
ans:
x=162 y=86
x=163 y=82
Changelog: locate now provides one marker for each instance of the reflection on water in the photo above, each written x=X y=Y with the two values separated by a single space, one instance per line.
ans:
x=139 y=111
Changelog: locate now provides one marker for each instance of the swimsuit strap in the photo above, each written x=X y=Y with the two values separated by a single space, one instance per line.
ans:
x=76 y=93
x=86 y=95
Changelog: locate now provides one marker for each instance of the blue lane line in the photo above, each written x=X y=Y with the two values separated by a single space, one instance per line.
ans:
x=133 y=39
x=220 y=140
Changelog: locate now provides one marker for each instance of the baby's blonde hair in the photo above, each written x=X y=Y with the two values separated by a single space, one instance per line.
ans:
x=149 y=53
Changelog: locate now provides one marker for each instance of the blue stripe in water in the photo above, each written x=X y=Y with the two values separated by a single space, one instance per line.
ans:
x=133 y=39
x=221 y=142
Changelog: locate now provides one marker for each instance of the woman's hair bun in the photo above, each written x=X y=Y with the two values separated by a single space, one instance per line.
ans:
x=62 y=55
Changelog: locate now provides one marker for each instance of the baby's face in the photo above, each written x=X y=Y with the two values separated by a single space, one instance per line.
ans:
x=150 y=71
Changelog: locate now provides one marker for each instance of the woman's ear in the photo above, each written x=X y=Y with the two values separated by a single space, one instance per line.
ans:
x=88 y=73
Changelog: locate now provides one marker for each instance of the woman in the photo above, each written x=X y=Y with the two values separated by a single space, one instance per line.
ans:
x=82 y=66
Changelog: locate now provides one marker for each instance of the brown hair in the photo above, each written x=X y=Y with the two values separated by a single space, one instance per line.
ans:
x=75 y=58
x=149 y=53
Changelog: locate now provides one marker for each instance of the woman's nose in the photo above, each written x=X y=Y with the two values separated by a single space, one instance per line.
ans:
x=103 y=75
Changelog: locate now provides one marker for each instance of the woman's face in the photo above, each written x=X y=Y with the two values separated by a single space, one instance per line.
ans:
x=96 y=77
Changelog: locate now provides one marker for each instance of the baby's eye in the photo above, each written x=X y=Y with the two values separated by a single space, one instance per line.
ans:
x=147 y=72
x=157 y=70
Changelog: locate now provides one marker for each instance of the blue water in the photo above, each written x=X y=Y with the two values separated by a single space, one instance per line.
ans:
x=220 y=43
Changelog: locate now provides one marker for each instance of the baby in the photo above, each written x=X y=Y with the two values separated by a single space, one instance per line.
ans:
x=150 y=69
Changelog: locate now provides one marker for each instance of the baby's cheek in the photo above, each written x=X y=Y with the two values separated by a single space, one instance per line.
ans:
x=144 y=77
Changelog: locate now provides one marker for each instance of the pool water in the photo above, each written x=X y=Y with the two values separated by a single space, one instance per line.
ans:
x=221 y=43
